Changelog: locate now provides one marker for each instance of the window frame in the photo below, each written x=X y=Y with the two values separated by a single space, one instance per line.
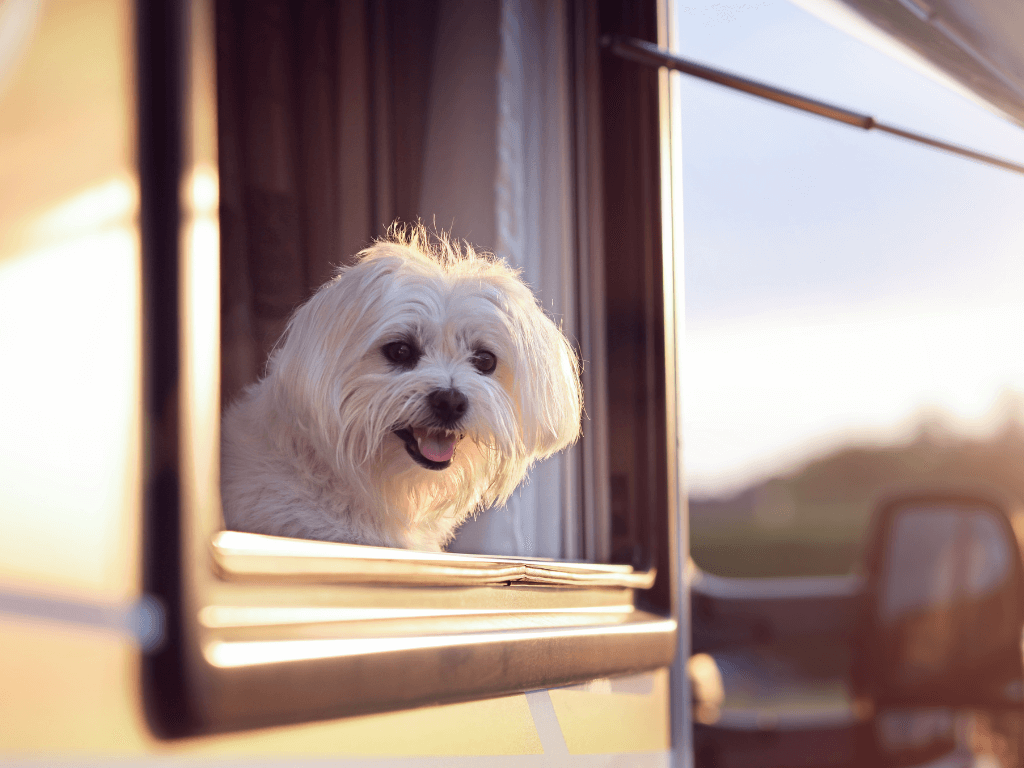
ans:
x=262 y=631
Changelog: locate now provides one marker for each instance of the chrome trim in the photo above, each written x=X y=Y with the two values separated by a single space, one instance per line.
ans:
x=255 y=557
x=256 y=679
x=670 y=142
x=233 y=616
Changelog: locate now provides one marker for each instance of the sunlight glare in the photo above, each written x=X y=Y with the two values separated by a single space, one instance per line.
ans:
x=785 y=388
x=69 y=331
x=101 y=206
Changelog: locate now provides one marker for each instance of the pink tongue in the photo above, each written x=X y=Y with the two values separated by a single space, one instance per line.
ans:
x=434 y=445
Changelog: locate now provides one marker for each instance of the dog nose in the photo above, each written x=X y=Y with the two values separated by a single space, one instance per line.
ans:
x=448 y=405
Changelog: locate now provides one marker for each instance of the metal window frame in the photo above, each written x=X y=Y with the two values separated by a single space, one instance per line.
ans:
x=262 y=631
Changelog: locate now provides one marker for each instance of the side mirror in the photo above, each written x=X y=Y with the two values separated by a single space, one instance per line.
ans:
x=944 y=605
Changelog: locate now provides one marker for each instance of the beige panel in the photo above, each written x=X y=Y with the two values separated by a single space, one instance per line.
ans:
x=69 y=302
x=65 y=117
x=75 y=692
x=616 y=715
x=67 y=690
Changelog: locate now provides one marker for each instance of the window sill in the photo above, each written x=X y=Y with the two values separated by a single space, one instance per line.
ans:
x=255 y=557
x=293 y=630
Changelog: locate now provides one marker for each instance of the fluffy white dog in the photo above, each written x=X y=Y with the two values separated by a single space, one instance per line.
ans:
x=414 y=388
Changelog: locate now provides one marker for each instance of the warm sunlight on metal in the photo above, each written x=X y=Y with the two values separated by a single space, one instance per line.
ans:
x=102 y=206
x=204 y=191
x=201 y=361
x=221 y=616
x=708 y=688
x=222 y=654
x=242 y=654
x=69 y=299
x=69 y=328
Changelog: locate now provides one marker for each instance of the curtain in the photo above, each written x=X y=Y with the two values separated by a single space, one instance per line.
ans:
x=337 y=118
x=534 y=210
x=322 y=111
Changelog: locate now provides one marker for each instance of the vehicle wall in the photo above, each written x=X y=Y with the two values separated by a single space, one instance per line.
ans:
x=73 y=620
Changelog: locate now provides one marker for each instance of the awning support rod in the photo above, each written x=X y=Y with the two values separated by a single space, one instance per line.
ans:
x=651 y=55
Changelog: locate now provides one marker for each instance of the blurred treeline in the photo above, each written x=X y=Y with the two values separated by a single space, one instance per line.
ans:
x=813 y=520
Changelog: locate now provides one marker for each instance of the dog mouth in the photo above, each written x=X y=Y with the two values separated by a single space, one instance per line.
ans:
x=430 y=448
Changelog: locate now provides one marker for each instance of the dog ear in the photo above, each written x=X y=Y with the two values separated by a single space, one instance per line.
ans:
x=324 y=341
x=546 y=383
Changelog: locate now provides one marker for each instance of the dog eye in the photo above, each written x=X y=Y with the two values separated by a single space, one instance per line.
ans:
x=401 y=352
x=485 y=361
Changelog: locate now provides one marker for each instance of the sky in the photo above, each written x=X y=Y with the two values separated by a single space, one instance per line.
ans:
x=840 y=284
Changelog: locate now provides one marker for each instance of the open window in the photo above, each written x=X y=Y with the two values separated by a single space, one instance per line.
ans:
x=277 y=139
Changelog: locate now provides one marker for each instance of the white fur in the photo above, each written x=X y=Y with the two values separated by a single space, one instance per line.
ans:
x=309 y=450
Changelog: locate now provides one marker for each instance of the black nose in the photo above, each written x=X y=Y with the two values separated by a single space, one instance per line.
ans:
x=448 y=405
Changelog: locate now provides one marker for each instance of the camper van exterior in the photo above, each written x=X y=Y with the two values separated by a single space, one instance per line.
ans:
x=175 y=178
x=160 y=160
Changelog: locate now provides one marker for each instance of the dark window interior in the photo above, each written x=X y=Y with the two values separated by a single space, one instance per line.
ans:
x=638 y=464
x=322 y=107
x=322 y=110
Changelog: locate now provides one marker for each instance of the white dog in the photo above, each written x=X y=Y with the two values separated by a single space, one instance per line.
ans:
x=414 y=388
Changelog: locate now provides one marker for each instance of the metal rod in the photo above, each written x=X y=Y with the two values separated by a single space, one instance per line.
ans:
x=947 y=147
x=651 y=55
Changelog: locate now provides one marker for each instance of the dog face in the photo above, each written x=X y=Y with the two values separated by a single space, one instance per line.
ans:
x=427 y=382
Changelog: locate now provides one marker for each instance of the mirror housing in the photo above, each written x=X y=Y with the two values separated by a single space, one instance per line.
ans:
x=944 y=605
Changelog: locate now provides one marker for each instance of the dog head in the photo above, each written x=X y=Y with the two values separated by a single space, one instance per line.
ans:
x=427 y=378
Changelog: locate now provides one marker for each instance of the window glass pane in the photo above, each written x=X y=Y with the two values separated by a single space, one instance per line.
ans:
x=921 y=564
x=989 y=559
x=853 y=300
